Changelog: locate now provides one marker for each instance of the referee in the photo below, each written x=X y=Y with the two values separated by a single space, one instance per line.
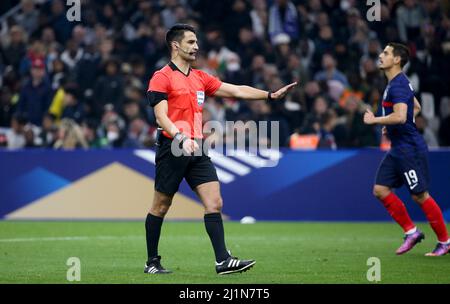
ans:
x=177 y=92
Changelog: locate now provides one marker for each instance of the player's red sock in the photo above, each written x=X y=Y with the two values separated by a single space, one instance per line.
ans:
x=398 y=211
x=435 y=218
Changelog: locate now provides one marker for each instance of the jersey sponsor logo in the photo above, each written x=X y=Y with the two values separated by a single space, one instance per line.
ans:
x=200 y=97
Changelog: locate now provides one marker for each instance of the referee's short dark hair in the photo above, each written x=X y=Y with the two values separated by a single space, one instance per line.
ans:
x=400 y=50
x=176 y=33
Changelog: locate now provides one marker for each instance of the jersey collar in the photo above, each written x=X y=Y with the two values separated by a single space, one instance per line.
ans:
x=175 y=68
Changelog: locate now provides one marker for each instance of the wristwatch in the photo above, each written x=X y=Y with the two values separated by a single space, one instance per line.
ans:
x=180 y=138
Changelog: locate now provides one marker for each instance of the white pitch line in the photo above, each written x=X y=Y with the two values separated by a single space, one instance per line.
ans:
x=67 y=238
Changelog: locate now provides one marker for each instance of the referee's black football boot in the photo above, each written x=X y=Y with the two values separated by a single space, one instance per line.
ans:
x=154 y=266
x=233 y=265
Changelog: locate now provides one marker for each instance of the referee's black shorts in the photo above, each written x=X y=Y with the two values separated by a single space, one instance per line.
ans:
x=170 y=169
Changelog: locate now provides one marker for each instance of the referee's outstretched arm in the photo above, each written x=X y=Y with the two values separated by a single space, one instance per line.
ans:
x=250 y=93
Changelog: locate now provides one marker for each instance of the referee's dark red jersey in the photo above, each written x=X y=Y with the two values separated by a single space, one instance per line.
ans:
x=185 y=95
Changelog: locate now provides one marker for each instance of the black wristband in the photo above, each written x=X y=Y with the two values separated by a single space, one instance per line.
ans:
x=269 y=97
x=179 y=137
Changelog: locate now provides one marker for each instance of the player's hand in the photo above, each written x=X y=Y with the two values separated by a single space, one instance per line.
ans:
x=283 y=91
x=190 y=146
x=369 y=117
x=384 y=131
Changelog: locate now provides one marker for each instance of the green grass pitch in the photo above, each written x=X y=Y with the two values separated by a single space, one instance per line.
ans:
x=286 y=252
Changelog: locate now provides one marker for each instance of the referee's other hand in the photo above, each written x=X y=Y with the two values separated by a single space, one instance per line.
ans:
x=190 y=146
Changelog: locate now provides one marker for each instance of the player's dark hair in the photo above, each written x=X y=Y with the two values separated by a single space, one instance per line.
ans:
x=400 y=50
x=176 y=33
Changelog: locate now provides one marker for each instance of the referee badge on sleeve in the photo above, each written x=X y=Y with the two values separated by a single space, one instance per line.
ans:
x=200 y=97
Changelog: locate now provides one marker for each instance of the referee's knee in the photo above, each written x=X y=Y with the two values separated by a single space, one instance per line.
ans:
x=214 y=205
x=159 y=210
x=161 y=205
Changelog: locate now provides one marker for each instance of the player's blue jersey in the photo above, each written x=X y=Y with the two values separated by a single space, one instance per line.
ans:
x=405 y=138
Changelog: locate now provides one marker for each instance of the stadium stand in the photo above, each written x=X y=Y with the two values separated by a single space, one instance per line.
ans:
x=91 y=76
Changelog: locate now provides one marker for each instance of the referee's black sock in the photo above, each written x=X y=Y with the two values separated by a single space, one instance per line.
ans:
x=214 y=227
x=153 y=231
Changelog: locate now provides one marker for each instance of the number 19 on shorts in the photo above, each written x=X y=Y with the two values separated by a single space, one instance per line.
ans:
x=411 y=178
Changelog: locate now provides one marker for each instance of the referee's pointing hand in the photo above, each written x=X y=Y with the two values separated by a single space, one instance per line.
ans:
x=283 y=91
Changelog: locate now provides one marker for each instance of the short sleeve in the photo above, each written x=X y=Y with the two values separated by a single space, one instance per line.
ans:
x=400 y=94
x=158 y=88
x=212 y=84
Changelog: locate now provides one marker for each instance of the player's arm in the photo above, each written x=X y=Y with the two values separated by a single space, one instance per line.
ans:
x=228 y=90
x=167 y=125
x=397 y=117
x=417 y=107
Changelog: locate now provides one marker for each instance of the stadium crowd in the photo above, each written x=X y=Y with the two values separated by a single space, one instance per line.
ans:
x=83 y=84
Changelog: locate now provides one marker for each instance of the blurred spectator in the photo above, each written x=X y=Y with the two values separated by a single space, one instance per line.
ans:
x=70 y=136
x=425 y=130
x=109 y=87
x=29 y=136
x=131 y=110
x=248 y=46
x=311 y=123
x=262 y=112
x=48 y=133
x=351 y=131
x=138 y=135
x=16 y=135
x=259 y=17
x=283 y=18
x=409 y=18
x=28 y=17
x=73 y=107
x=36 y=50
x=72 y=54
x=112 y=127
x=87 y=70
x=35 y=95
x=58 y=75
x=294 y=70
x=327 y=123
x=59 y=22
x=355 y=89
x=330 y=72
x=91 y=135
x=237 y=19
x=15 y=50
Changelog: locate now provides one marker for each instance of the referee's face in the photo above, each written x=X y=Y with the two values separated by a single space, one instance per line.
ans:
x=188 y=47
